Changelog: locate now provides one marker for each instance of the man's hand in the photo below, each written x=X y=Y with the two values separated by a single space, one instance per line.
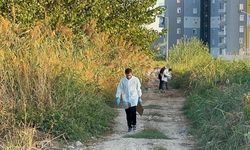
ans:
x=117 y=101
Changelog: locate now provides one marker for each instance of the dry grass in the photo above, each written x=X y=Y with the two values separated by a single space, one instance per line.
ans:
x=49 y=78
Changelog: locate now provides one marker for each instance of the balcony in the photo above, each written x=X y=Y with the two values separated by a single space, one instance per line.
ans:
x=222 y=23
x=222 y=33
x=222 y=45
x=223 y=10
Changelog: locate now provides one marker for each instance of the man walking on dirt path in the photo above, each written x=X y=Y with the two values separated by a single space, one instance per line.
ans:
x=130 y=90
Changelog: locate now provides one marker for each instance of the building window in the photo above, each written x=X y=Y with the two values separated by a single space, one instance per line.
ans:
x=221 y=17
x=241 y=7
x=213 y=1
x=194 y=31
x=241 y=29
x=241 y=40
x=223 y=29
x=213 y=42
x=178 y=10
x=221 y=40
x=221 y=5
x=178 y=41
x=194 y=10
x=161 y=21
x=221 y=50
x=178 y=1
x=241 y=17
x=178 y=31
x=178 y=20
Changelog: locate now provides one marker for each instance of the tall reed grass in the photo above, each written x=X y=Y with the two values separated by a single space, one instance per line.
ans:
x=216 y=102
x=55 y=82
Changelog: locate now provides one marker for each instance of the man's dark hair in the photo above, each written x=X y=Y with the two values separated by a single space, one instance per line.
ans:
x=170 y=69
x=162 y=69
x=128 y=70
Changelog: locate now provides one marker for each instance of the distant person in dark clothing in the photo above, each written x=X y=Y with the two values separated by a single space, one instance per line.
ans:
x=160 y=75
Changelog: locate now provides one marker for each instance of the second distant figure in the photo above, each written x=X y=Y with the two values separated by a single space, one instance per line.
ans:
x=166 y=75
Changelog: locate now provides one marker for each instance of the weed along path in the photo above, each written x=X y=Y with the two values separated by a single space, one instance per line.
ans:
x=163 y=125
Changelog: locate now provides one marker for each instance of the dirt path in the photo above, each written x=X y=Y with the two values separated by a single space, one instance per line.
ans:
x=163 y=112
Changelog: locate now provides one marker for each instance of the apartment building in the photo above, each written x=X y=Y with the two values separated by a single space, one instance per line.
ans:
x=181 y=19
x=175 y=21
x=217 y=28
x=228 y=24
x=191 y=18
x=224 y=25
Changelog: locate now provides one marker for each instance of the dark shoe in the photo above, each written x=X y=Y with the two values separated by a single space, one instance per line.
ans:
x=134 y=127
x=129 y=129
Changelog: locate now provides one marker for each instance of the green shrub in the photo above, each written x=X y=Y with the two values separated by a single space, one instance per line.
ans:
x=218 y=118
x=216 y=90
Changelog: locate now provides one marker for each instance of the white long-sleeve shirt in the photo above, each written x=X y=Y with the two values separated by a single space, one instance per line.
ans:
x=130 y=90
x=166 y=75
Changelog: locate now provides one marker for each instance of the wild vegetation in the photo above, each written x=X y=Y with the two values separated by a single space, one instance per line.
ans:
x=218 y=96
x=60 y=62
x=118 y=18
x=59 y=83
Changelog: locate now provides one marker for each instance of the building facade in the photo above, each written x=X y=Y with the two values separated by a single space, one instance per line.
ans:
x=224 y=25
x=174 y=24
x=192 y=19
x=235 y=26
x=228 y=24
x=217 y=28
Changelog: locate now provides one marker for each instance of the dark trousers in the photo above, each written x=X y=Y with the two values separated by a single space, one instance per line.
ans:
x=162 y=84
x=131 y=116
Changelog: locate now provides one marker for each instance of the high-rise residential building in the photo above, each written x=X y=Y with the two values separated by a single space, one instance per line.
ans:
x=191 y=19
x=224 y=25
x=175 y=21
x=228 y=24
x=217 y=28
x=236 y=22
x=247 y=40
